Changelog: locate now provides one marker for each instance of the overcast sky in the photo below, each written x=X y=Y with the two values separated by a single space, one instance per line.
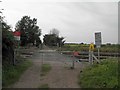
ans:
x=76 y=21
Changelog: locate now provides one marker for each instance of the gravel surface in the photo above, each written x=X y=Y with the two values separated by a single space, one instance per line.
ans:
x=60 y=76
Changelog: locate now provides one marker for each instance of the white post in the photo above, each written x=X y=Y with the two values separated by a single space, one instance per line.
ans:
x=98 y=54
x=90 y=57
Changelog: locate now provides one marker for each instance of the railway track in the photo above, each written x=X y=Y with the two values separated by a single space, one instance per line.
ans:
x=85 y=55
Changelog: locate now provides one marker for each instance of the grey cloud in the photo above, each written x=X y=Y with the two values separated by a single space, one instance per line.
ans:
x=77 y=21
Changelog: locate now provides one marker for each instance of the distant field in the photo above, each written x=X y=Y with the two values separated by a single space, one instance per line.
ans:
x=85 y=47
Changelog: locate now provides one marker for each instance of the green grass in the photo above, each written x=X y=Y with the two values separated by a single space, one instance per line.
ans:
x=11 y=74
x=104 y=75
x=46 y=86
x=45 y=69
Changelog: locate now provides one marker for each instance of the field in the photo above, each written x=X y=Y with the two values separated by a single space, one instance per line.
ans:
x=85 y=47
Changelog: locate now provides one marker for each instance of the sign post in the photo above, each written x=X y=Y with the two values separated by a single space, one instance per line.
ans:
x=91 y=55
x=17 y=38
x=98 y=42
x=98 y=54
x=91 y=48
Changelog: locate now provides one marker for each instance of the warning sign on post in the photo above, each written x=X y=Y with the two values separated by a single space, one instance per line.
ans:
x=17 y=35
x=98 y=40
x=91 y=47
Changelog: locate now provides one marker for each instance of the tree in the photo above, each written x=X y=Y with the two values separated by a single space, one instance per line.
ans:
x=29 y=29
x=7 y=42
x=50 y=40
x=7 y=45
x=55 y=32
x=38 y=41
x=53 y=39
x=60 y=41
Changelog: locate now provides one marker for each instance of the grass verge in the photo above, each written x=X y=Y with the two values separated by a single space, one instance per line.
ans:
x=104 y=75
x=45 y=69
x=11 y=74
x=46 y=86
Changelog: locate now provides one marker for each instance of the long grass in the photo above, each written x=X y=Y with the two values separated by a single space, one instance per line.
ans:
x=45 y=68
x=11 y=74
x=104 y=75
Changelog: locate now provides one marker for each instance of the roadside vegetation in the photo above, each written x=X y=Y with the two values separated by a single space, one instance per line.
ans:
x=103 y=75
x=30 y=32
x=11 y=74
x=45 y=69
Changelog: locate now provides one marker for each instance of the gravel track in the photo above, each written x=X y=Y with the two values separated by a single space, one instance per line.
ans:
x=60 y=76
